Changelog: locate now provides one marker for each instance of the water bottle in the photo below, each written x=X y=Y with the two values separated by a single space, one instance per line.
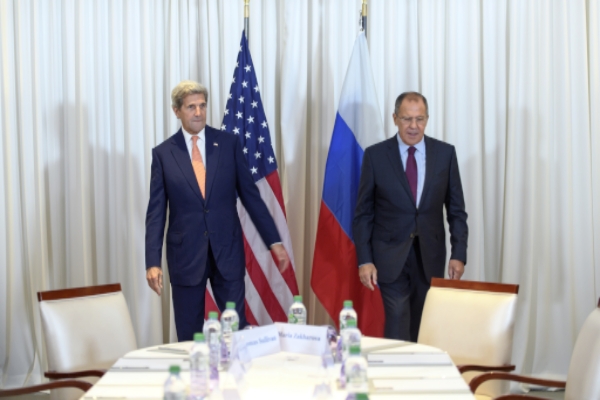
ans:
x=230 y=322
x=348 y=337
x=212 y=333
x=347 y=314
x=175 y=388
x=356 y=371
x=297 y=313
x=199 y=360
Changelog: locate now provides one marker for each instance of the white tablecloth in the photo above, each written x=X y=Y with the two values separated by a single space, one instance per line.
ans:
x=427 y=373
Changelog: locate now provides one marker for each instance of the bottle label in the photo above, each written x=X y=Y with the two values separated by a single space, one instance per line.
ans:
x=292 y=318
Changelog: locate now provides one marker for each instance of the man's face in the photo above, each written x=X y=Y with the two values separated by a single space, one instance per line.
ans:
x=192 y=113
x=411 y=121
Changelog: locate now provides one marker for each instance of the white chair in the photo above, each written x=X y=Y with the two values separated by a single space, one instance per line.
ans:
x=86 y=330
x=583 y=378
x=473 y=322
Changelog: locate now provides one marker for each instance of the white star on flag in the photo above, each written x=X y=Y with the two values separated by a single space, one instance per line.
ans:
x=248 y=68
x=244 y=84
x=226 y=111
x=256 y=88
x=271 y=160
x=257 y=155
x=254 y=104
x=245 y=150
x=254 y=170
x=236 y=130
x=261 y=139
x=248 y=135
x=241 y=99
x=223 y=127
x=264 y=124
x=239 y=115
x=251 y=119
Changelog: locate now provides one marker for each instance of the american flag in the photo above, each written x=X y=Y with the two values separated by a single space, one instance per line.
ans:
x=269 y=293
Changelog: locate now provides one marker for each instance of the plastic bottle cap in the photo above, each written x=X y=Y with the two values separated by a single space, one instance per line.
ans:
x=298 y=299
x=213 y=315
x=348 y=303
x=351 y=323
x=199 y=337
x=230 y=305
x=355 y=349
x=174 y=369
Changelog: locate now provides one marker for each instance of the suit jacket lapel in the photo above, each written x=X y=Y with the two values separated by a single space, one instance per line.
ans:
x=212 y=157
x=182 y=157
x=397 y=167
x=430 y=154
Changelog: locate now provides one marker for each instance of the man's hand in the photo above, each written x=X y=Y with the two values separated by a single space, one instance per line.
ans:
x=456 y=269
x=368 y=275
x=154 y=277
x=282 y=257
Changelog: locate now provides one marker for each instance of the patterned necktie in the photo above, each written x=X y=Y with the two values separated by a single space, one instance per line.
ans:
x=198 y=165
x=411 y=172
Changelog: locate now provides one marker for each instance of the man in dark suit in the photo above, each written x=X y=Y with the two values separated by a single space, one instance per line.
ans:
x=398 y=224
x=198 y=173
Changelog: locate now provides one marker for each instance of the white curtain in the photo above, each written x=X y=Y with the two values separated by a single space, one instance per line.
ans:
x=84 y=96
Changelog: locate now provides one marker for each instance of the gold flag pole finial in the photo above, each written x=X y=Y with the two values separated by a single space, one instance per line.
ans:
x=364 y=16
x=247 y=20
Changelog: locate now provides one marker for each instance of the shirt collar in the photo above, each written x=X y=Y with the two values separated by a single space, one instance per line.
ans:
x=404 y=147
x=188 y=136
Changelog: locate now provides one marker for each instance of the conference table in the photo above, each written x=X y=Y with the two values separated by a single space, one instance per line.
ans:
x=397 y=370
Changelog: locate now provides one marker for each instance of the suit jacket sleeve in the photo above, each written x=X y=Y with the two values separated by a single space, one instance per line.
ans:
x=362 y=226
x=456 y=214
x=252 y=201
x=156 y=214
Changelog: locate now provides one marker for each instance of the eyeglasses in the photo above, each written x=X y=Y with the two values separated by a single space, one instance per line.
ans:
x=409 y=120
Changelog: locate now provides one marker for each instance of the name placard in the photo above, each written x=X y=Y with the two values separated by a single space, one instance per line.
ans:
x=257 y=342
x=303 y=339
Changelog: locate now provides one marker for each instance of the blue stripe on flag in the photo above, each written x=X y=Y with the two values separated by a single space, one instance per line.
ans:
x=342 y=174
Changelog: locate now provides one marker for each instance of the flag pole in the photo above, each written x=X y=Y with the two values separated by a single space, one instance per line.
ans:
x=364 y=16
x=247 y=20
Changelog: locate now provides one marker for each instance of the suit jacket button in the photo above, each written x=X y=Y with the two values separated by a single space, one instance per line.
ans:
x=412 y=235
x=206 y=210
x=205 y=233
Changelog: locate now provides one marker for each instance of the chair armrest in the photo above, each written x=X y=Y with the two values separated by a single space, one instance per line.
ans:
x=485 y=368
x=85 y=386
x=478 y=380
x=518 y=397
x=77 y=374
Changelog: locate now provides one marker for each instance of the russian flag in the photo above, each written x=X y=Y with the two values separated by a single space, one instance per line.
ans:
x=357 y=125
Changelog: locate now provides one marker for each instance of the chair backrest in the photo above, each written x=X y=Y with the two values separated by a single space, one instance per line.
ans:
x=85 y=328
x=473 y=322
x=583 y=379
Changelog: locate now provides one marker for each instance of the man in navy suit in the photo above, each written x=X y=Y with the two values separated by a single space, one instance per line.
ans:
x=405 y=183
x=197 y=174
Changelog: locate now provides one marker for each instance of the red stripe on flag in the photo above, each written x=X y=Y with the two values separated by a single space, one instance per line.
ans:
x=209 y=304
x=289 y=276
x=335 y=277
x=260 y=282
x=275 y=183
x=249 y=316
